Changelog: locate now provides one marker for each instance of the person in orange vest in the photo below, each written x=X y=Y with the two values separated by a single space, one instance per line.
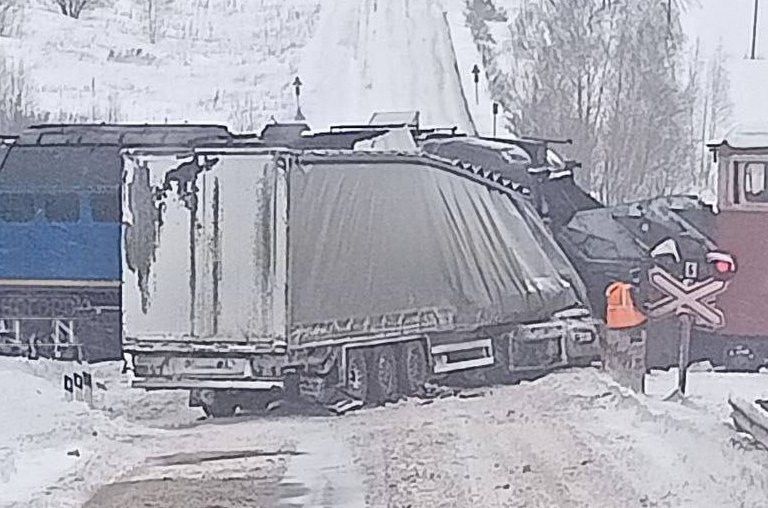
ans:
x=621 y=312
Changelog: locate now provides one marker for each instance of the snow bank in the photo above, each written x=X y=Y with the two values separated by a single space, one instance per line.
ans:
x=572 y=438
x=39 y=428
x=709 y=391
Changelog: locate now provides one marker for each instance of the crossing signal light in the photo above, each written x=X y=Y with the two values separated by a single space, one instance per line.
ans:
x=724 y=264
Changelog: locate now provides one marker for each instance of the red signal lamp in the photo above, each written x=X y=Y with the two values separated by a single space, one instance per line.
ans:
x=725 y=265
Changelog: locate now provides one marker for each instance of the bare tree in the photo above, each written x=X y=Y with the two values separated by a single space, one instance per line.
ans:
x=72 y=8
x=157 y=10
x=16 y=108
x=152 y=20
x=717 y=108
x=10 y=17
x=601 y=72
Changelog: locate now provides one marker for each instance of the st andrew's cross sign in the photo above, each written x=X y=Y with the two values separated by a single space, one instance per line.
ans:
x=696 y=298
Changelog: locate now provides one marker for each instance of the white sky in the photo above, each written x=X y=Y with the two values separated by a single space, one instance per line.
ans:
x=729 y=22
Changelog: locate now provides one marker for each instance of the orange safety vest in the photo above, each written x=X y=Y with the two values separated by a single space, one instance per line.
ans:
x=621 y=312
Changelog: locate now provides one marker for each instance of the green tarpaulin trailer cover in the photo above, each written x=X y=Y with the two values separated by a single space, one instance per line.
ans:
x=376 y=234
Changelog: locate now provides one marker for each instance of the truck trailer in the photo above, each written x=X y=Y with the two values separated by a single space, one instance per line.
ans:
x=361 y=271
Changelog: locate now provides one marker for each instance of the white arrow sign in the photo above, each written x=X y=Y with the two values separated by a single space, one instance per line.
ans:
x=696 y=298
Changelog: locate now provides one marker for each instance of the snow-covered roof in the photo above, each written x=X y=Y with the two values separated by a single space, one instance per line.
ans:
x=512 y=153
x=392 y=140
x=744 y=136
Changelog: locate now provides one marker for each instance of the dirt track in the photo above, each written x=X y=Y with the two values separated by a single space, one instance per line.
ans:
x=571 y=439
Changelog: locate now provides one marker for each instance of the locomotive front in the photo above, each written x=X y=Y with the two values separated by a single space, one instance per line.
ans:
x=741 y=227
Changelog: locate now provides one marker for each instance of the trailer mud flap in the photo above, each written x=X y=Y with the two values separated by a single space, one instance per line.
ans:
x=538 y=346
x=462 y=355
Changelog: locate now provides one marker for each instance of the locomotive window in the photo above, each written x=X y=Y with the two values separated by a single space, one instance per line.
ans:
x=16 y=207
x=61 y=207
x=105 y=207
x=755 y=190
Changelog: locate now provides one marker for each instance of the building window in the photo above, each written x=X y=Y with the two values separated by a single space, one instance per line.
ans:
x=17 y=207
x=105 y=207
x=755 y=190
x=60 y=207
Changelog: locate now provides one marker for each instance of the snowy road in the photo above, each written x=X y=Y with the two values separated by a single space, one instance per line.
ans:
x=376 y=55
x=570 y=439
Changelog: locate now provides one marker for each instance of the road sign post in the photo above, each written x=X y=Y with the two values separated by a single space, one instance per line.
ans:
x=69 y=388
x=693 y=303
x=88 y=388
x=686 y=323
x=297 y=84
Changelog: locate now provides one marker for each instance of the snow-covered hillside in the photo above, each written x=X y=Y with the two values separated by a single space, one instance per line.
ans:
x=384 y=55
x=228 y=61
x=233 y=61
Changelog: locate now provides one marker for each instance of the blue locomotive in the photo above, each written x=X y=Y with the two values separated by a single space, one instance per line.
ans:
x=60 y=235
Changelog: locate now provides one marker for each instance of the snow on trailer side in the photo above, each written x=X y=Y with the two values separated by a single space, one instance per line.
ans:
x=199 y=249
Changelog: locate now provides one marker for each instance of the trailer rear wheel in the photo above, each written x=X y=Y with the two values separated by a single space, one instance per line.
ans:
x=218 y=404
x=384 y=381
x=414 y=368
x=357 y=374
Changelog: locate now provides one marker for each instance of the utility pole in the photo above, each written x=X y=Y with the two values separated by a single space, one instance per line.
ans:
x=495 y=113
x=297 y=88
x=476 y=72
x=754 y=29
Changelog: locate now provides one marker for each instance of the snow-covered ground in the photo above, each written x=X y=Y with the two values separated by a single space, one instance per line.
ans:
x=573 y=438
x=709 y=390
x=54 y=451
x=41 y=430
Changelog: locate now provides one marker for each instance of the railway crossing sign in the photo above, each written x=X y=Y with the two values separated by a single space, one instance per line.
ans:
x=691 y=302
x=695 y=299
